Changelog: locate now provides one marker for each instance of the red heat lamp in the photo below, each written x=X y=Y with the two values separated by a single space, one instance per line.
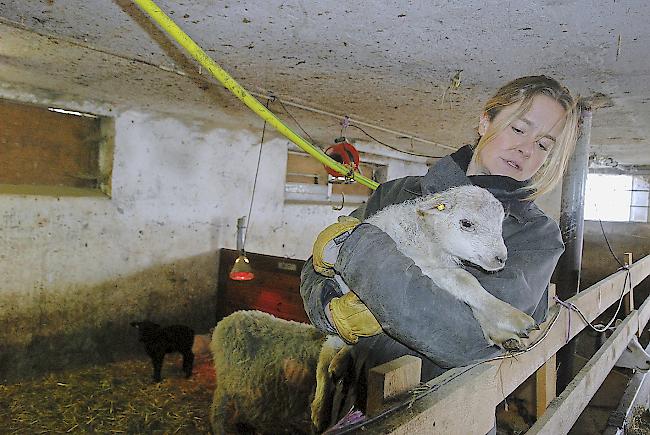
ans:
x=241 y=270
x=345 y=153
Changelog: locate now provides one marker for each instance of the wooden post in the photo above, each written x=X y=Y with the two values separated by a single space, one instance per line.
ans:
x=546 y=375
x=545 y=383
x=390 y=379
x=628 y=299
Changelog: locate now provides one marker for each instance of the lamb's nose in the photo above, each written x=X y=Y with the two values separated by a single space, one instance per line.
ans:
x=500 y=260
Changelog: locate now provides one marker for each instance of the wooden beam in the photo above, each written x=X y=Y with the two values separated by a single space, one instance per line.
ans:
x=565 y=410
x=463 y=400
x=390 y=379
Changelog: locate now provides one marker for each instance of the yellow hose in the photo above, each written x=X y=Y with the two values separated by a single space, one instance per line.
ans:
x=197 y=53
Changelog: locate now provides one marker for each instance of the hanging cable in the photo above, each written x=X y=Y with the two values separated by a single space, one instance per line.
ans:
x=395 y=148
x=295 y=120
x=349 y=124
x=257 y=170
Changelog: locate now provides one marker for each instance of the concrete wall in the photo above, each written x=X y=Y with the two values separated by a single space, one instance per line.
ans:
x=77 y=270
x=597 y=261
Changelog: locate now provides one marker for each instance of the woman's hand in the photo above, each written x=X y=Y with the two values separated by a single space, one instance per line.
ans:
x=352 y=319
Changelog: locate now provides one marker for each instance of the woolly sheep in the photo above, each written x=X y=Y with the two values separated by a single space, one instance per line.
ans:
x=439 y=232
x=160 y=341
x=266 y=375
x=634 y=356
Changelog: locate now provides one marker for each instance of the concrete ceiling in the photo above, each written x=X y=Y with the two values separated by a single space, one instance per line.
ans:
x=385 y=63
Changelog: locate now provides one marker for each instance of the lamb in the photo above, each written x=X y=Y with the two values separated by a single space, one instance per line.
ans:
x=441 y=231
x=160 y=341
x=273 y=375
x=633 y=357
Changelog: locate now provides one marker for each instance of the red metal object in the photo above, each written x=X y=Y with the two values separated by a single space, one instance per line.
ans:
x=345 y=153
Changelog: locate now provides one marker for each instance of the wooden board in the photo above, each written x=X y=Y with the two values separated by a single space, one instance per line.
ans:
x=41 y=147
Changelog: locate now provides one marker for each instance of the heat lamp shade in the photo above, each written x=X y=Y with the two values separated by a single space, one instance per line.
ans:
x=242 y=270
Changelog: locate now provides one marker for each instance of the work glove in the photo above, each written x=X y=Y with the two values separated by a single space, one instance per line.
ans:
x=329 y=241
x=352 y=319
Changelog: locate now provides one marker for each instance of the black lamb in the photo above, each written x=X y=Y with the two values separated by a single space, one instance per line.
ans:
x=159 y=341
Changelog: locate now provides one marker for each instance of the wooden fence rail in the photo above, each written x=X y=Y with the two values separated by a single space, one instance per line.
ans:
x=463 y=400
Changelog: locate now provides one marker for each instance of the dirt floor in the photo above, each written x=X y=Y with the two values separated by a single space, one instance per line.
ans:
x=114 y=398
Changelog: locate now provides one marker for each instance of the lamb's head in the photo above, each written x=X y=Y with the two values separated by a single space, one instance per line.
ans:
x=466 y=222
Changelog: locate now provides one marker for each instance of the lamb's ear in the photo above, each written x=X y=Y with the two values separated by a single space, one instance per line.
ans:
x=432 y=205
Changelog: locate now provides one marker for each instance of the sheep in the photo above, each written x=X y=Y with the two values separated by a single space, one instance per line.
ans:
x=439 y=232
x=633 y=357
x=273 y=375
x=160 y=341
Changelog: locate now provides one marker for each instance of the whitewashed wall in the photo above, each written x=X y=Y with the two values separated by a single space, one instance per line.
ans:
x=73 y=265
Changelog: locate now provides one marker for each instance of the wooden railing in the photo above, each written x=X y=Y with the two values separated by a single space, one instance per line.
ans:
x=463 y=400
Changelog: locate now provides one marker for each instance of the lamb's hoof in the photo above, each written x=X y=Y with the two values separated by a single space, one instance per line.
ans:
x=513 y=345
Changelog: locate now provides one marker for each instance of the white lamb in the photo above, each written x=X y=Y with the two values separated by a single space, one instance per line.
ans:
x=440 y=231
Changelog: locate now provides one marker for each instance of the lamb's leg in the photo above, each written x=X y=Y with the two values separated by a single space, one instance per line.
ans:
x=334 y=350
x=188 y=362
x=502 y=324
x=157 y=361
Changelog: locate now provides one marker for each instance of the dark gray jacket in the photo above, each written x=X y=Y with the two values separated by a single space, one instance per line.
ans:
x=407 y=304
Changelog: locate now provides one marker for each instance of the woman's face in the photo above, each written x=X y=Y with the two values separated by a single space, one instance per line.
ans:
x=522 y=147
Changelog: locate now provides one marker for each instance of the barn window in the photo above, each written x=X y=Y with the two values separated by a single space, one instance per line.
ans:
x=53 y=151
x=308 y=181
x=617 y=198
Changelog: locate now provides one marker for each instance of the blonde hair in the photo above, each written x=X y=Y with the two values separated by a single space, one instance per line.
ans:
x=522 y=91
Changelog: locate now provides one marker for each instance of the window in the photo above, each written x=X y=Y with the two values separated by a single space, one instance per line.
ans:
x=619 y=198
x=54 y=151
x=308 y=181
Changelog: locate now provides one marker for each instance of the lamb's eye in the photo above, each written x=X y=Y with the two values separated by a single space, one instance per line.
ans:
x=466 y=225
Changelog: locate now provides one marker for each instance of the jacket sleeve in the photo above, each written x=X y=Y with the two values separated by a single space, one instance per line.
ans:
x=415 y=312
x=408 y=305
x=317 y=290
x=533 y=252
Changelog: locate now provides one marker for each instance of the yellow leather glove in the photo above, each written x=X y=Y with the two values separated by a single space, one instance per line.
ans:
x=327 y=244
x=352 y=318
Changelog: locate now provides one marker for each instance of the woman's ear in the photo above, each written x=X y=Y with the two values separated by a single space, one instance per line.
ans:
x=483 y=124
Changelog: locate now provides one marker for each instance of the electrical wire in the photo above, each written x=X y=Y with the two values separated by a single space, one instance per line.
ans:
x=295 y=120
x=393 y=147
x=257 y=170
x=344 y=126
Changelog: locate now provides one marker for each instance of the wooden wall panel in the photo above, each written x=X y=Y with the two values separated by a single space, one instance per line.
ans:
x=275 y=289
x=41 y=147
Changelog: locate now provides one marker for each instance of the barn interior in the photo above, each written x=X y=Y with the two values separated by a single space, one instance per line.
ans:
x=125 y=165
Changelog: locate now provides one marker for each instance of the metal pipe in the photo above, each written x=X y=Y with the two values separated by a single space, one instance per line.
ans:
x=241 y=233
x=572 y=227
x=172 y=29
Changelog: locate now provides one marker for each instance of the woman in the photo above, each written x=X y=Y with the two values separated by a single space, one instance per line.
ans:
x=527 y=134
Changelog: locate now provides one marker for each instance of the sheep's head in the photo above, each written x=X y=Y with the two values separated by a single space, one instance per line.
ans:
x=146 y=328
x=466 y=222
